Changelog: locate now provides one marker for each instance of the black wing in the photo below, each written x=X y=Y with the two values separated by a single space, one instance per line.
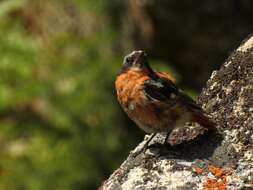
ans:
x=160 y=89
x=166 y=91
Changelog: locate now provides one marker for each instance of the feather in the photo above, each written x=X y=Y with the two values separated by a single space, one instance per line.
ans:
x=160 y=89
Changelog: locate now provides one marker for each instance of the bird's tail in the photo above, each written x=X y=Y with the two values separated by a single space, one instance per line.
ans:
x=205 y=121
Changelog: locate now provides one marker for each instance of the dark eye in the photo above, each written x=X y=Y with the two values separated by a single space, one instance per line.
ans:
x=128 y=59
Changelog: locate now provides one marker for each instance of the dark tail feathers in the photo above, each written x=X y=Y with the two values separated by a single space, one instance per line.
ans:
x=204 y=121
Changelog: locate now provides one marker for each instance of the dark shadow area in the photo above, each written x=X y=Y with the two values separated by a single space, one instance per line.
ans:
x=203 y=147
x=196 y=37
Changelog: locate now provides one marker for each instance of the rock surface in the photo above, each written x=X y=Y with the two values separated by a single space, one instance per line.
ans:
x=208 y=161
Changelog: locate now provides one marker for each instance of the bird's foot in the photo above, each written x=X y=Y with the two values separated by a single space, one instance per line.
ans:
x=157 y=149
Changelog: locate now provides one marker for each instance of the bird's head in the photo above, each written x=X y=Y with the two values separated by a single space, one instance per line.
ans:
x=136 y=61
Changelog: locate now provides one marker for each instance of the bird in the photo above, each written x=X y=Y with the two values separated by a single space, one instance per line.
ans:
x=153 y=101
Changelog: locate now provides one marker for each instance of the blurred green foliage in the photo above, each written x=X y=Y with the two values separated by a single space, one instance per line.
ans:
x=60 y=124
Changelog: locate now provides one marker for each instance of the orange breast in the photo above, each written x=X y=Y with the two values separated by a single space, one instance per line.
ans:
x=131 y=96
